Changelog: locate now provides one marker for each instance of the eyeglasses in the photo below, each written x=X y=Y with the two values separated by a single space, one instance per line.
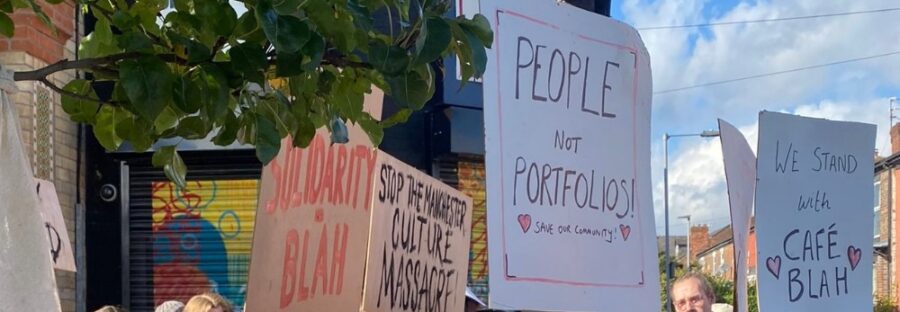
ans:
x=692 y=301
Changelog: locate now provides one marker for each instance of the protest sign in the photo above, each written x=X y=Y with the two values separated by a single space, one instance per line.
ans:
x=312 y=224
x=814 y=215
x=55 y=225
x=27 y=275
x=419 y=247
x=567 y=123
x=740 y=177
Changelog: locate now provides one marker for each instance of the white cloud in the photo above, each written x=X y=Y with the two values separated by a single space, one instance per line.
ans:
x=682 y=57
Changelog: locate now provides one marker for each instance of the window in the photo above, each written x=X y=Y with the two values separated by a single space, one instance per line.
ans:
x=877 y=209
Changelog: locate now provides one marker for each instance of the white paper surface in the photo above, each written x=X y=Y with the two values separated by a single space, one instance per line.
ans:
x=740 y=176
x=814 y=214
x=567 y=119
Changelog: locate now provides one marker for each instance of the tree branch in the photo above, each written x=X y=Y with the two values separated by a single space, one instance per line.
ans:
x=65 y=64
x=71 y=94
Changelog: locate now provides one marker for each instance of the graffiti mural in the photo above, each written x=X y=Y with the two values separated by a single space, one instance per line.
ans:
x=472 y=183
x=201 y=238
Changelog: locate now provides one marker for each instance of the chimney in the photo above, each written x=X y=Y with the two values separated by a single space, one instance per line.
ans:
x=699 y=238
x=895 y=138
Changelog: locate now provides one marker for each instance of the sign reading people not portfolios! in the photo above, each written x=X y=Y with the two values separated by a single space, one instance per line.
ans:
x=567 y=119
x=814 y=214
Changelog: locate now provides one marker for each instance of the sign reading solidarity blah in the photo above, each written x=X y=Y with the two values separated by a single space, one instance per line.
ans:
x=814 y=214
x=567 y=124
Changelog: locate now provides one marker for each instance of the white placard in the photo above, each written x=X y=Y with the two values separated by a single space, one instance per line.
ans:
x=61 y=252
x=567 y=121
x=814 y=214
x=740 y=176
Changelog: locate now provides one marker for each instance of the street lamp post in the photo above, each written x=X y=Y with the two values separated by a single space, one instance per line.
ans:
x=688 y=218
x=666 y=137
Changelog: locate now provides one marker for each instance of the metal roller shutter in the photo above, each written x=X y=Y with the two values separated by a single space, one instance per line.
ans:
x=185 y=242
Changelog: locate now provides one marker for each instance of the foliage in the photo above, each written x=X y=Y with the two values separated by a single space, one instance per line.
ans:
x=283 y=67
x=885 y=304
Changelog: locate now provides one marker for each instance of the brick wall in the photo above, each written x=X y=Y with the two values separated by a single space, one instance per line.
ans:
x=699 y=238
x=49 y=135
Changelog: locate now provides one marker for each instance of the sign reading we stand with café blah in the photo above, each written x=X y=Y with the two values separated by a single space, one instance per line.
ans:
x=814 y=214
x=567 y=125
x=312 y=223
x=419 y=247
x=740 y=177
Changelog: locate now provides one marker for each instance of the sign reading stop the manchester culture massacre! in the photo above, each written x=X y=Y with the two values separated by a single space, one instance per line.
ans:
x=60 y=247
x=814 y=214
x=312 y=224
x=419 y=247
x=567 y=100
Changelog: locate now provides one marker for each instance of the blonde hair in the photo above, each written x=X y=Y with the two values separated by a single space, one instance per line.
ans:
x=110 y=308
x=206 y=302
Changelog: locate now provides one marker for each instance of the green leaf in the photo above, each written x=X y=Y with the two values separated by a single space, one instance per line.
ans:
x=123 y=20
x=287 y=33
x=105 y=128
x=6 y=6
x=148 y=83
x=248 y=57
x=172 y=164
x=372 y=128
x=100 y=42
x=479 y=56
x=268 y=142
x=228 y=131
x=7 y=27
x=80 y=110
x=390 y=60
x=248 y=29
x=166 y=120
x=193 y=128
x=289 y=64
x=314 y=50
x=413 y=89
x=186 y=95
x=212 y=91
x=136 y=131
x=305 y=132
x=479 y=26
x=400 y=116
x=287 y=7
x=218 y=16
x=196 y=52
x=134 y=41
x=433 y=40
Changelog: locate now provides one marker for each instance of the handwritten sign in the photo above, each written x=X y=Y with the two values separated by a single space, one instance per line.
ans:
x=312 y=224
x=814 y=215
x=55 y=225
x=740 y=176
x=567 y=116
x=25 y=269
x=419 y=247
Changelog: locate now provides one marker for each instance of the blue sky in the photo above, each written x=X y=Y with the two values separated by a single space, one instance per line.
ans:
x=856 y=91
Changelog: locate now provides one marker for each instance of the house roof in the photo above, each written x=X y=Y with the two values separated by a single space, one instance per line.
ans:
x=722 y=237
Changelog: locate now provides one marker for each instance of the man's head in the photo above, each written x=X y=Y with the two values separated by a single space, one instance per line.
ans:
x=692 y=293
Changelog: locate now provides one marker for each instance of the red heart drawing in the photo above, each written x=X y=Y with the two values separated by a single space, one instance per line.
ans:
x=525 y=222
x=854 y=255
x=774 y=265
x=626 y=230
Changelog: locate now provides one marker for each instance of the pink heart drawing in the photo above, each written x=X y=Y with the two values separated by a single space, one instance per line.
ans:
x=525 y=222
x=774 y=265
x=626 y=230
x=854 y=255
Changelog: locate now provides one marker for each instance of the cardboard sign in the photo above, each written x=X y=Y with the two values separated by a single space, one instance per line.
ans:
x=419 y=247
x=27 y=276
x=814 y=214
x=60 y=245
x=740 y=177
x=312 y=224
x=567 y=119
